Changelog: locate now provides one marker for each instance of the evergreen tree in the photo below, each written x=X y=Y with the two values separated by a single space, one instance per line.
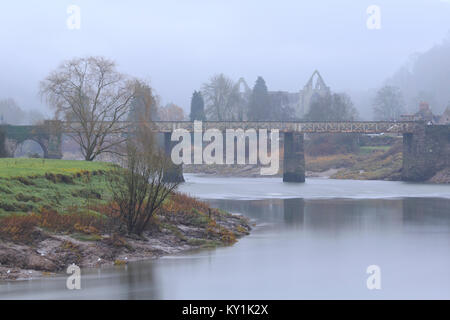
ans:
x=197 y=107
x=259 y=106
x=2 y=144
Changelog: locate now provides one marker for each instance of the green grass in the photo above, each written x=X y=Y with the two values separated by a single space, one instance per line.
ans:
x=15 y=167
x=370 y=149
x=385 y=164
x=86 y=237
x=370 y=163
x=28 y=185
x=78 y=190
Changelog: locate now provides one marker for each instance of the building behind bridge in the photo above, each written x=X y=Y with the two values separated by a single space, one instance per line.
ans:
x=426 y=114
x=298 y=101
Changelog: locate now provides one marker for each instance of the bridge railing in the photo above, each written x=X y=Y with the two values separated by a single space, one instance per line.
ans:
x=295 y=126
x=368 y=127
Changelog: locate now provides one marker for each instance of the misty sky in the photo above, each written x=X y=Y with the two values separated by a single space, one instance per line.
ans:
x=178 y=45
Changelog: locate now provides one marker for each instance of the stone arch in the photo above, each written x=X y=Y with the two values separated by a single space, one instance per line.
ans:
x=243 y=86
x=314 y=87
x=37 y=142
x=47 y=135
x=316 y=82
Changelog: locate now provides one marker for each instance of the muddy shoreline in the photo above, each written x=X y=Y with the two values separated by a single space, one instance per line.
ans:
x=331 y=171
x=51 y=254
x=250 y=171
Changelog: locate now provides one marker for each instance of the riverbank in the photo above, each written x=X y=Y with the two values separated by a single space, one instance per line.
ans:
x=50 y=253
x=333 y=223
x=59 y=214
x=369 y=163
x=375 y=163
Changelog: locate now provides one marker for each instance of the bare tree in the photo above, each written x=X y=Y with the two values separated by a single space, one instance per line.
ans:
x=144 y=105
x=222 y=98
x=94 y=99
x=388 y=103
x=11 y=113
x=171 y=112
x=138 y=187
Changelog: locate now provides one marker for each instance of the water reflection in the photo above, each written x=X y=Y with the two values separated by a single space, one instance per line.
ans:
x=300 y=249
x=345 y=214
x=294 y=211
x=426 y=212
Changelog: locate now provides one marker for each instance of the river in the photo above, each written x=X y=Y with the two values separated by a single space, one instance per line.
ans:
x=310 y=241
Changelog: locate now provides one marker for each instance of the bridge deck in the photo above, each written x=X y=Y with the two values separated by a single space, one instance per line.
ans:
x=283 y=126
x=296 y=126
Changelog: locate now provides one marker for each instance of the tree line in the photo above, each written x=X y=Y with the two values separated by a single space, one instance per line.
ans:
x=222 y=99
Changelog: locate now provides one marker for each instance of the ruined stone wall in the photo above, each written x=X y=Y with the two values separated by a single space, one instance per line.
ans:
x=425 y=152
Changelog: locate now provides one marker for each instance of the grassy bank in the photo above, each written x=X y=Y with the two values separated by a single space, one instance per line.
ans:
x=371 y=163
x=10 y=167
x=30 y=185
x=53 y=212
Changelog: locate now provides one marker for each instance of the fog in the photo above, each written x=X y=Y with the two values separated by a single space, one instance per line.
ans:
x=178 y=45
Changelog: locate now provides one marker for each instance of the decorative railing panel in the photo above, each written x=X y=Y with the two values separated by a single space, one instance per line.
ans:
x=367 y=127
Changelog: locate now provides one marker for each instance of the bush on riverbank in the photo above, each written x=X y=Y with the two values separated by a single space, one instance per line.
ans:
x=22 y=228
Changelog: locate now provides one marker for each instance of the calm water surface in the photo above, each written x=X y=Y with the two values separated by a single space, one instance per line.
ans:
x=312 y=240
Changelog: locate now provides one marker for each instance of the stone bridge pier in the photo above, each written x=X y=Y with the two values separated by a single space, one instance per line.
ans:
x=425 y=152
x=294 y=157
x=293 y=162
x=172 y=172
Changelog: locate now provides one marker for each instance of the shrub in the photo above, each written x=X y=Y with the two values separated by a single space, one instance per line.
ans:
x=26 y=198
x=84 y=193
x=141 y=188
x=18 y=228
x=87 y=223
x=56 y=178
x=227 y=236
x=5 y=190
x=25 y=181
x=189 y=209
x=7 y=206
